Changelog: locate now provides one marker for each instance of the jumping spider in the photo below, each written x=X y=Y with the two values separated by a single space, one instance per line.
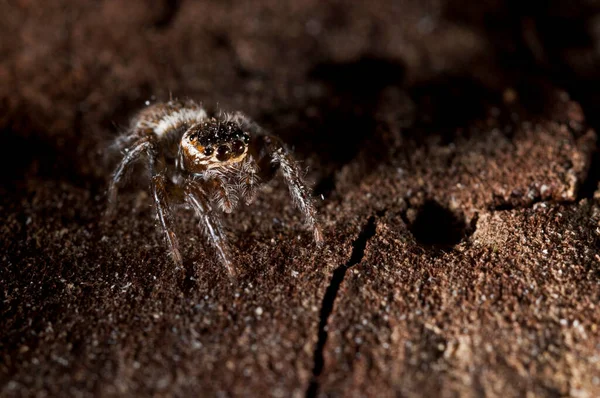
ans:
x=208 y=163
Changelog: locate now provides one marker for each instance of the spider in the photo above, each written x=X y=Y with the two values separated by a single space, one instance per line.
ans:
x=208 y=164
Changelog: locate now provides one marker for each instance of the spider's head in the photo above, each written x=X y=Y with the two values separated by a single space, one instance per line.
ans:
x=213 y=144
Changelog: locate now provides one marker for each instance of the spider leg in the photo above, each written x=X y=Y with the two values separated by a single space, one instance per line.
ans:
x=163 y=208
x=135 y=152
x=292 y=174
x=210 y=224
x=268 y=146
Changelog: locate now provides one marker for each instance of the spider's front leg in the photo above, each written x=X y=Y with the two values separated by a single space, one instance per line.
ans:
x=209 y=223
x=163 y=208
x=292 y=174
x=138 y=149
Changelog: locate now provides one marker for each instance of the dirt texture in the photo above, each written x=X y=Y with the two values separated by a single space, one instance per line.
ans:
x=452 y=149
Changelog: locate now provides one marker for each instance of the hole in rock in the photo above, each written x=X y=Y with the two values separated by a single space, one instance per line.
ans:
x=438 y=227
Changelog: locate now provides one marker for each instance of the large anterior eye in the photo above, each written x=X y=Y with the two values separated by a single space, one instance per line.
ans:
x=238 y=147
x=223 y=153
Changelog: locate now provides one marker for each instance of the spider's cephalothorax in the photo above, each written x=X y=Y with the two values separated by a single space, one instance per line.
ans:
x=208 y=163
x=213 y=144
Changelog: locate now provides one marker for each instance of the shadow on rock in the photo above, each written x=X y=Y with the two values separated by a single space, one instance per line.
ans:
x=340 y=122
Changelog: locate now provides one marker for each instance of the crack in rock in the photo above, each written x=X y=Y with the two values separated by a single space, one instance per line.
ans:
x=358 y=251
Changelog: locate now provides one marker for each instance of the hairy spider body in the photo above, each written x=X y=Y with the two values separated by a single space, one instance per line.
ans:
x=208 y=163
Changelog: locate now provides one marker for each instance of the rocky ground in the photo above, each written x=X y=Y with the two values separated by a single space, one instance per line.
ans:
x=453 y=152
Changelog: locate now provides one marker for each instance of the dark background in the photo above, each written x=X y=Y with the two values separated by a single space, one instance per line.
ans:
x=452 y=149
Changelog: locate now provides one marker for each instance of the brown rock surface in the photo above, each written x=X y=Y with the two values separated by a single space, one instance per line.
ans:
x=455 y=153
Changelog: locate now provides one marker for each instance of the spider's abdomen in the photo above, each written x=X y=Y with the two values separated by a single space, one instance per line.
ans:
x=169 y=118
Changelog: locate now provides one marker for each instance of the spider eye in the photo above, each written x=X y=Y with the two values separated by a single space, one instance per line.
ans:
x=238 y=147
x=246 y=139
x=223 y=153
x=208 y=151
